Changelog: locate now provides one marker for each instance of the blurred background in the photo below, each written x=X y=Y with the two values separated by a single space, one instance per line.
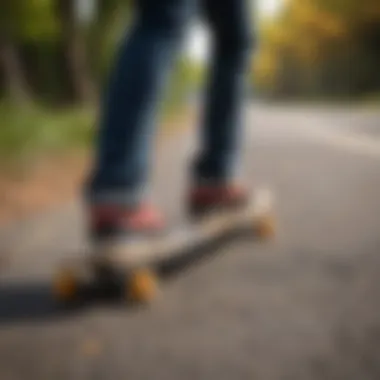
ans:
x=55 y=56
x=305 y=306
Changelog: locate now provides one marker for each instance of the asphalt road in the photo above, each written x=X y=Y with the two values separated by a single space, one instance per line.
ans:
x=304 y=306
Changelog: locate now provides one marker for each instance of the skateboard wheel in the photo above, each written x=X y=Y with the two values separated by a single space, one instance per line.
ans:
x=66 y=286
x=266 y=227
x=142 y=286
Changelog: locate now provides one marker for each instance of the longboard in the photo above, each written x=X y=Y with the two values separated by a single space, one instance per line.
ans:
x=133 y=264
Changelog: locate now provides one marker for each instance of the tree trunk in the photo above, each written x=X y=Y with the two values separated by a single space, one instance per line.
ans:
x=75 y=53
x=14 y=77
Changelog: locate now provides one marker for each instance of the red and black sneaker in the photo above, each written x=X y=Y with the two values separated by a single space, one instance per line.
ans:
x=108 y=222
x=207 y=199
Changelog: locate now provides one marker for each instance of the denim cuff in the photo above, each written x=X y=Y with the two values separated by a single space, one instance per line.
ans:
x=112 y=197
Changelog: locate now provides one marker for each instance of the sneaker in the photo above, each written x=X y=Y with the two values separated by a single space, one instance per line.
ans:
x=204 y=200
x=109 y=222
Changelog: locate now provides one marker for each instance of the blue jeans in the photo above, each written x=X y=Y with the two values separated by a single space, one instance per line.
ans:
x=129 y=113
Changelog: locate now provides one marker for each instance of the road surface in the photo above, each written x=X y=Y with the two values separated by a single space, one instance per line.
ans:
x=304 y=306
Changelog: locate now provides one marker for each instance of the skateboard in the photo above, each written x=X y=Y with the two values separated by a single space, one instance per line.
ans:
x=132 y=266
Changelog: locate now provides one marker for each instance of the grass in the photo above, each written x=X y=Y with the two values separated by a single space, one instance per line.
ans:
x=28 y=132
x=372 y=100
x=365 y=101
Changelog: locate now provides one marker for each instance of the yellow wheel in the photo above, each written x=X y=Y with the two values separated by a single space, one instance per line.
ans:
x=142 y=286
x=266 y=227
x=66 y=286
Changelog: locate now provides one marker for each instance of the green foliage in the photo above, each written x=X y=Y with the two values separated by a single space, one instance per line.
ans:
x=34 y=130
x=320 y=48
x=29 y=20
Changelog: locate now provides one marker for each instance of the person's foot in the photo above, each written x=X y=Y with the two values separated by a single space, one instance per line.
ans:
x=110 y=222
x=204 y=200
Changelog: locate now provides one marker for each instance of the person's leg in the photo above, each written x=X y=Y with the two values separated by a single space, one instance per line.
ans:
x=129 y=110
x=218 y=161
x=117 y=186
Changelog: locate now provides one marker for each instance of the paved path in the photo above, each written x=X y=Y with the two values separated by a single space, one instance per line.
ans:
x=305 y=306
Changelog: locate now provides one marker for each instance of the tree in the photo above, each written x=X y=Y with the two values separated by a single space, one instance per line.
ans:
x=73 y=44
x=11 y=67
x=329 y=46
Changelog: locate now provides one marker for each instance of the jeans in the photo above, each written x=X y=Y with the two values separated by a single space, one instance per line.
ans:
x=130 y=108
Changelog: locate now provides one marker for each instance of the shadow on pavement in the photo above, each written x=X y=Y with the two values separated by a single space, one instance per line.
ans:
x=28 y=302
x=34 y=301
x=173 y=267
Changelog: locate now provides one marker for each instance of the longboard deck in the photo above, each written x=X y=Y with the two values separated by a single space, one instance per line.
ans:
x=137 y=258
x=144 y=252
